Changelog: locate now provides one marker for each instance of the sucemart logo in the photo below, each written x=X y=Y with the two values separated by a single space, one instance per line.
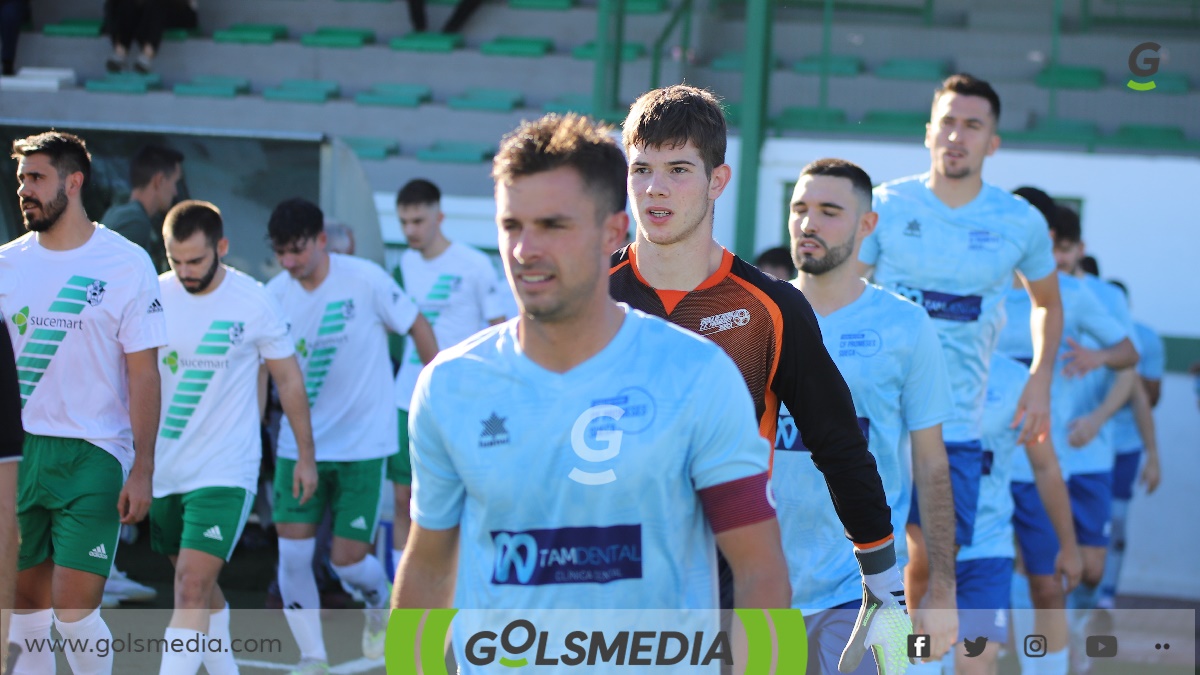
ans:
x=1143 y=66
x=302 y=347
x=21 y=319
x=776 y=640
x=172 y=361
x=333 y=323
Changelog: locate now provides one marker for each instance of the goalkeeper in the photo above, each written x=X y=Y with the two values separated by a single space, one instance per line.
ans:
x=888 y=351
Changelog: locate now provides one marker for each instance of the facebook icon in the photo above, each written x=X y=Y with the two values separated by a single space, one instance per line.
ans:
x=918 y=646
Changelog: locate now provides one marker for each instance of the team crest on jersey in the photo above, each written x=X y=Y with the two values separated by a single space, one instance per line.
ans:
x=348 y=309
x=95 y=292
x=913 y=229
x=723 y=322
x=237 y=332
x=494 y=432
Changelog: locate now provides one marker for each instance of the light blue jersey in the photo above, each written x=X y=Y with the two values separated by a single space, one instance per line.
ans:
x=958 y=264
x=888 y=351
x=1151 y=364
x=1098 y=455
x=580 y=489
x=1084 y=320
x=993 y=523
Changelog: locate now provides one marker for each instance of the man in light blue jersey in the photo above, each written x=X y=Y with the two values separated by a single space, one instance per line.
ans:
x=951 y=243
x=992 y=554
x=665 y=458
x=888 y=351
x=1133 y=432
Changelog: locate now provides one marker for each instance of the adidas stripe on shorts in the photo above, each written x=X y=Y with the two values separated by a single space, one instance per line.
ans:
x=209 y=520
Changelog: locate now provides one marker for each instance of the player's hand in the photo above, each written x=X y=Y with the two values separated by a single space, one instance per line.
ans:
x=134 y=502
x=1068 y=568
x=1080 y=360
x=937 y=617
x=1034 y=409
x=1082 y=431
x=1151 y=473
x=304 y=480
x=883 y=625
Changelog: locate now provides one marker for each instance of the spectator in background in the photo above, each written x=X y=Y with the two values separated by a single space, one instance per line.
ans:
x=462 y=12
x=12 y=14
x=154 y=174
x=143 y=21
x=339 y=238
x=12 y=437
x=777 y=262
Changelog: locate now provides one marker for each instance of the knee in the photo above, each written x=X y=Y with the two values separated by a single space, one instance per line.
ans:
x=1045 y=592
x=345 y=557
x=192 y=590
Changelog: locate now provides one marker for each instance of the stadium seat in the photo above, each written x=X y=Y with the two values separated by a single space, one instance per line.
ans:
x=839 y=65
x=214 y=86
x=912 y=69
x=395 y=95
x=339 y=38
x=179 y=34
x=1071 y=77
x=544 y=5
x=303 y=91
x=733 y=62
x=483 y=98
x=370 y=147
x=1058 y=131
x=87 y=28
x=125 y=83
x=427 y=42
x=645 y=6
x=1167 y=83
x=797 y=118
x=892 y=123
x=252 y=33
x=1150 y=137
x=518 y=46
x=576 y=103
x=457 y=152
x=630 y=51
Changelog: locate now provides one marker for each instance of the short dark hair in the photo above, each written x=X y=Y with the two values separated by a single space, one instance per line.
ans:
x=778 y=257
x=1090 y=265
x=840 y=168
x=569 y=140
x=67 y=152
x=1066 y=226
x=418 y=192
x=965 y=84
x=191 y=216
x=293 y=220
x=1040 y=201
x=1121 y=285
x=151 y=160
x=674 y=115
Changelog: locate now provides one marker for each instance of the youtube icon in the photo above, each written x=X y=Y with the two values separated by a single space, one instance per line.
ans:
x=1101 y=646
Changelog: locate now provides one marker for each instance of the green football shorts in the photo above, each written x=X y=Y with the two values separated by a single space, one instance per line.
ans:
x=208 y=520
x=350 y=489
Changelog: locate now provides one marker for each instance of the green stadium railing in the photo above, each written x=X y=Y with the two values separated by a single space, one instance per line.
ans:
x=87 y=28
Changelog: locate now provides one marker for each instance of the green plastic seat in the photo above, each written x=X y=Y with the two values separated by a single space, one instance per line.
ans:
x=482 y=98
x=839 y=65
x=86 y=28
x=459 y=152
x=529 y=47
x=213 y=86
x=339 y=38
x=912 y=69
x=892 y=123
x=125 y=83
x=576 y=103
x=303 y=91
x=395 y=95
x=278 y=30
x=1071 y=77
x=1166 y=83
x=1149 y=136
x=179 y=34
x=730 y=62
x=630 y=51
x=245 y=37
x=645 y=6
x=795 y=118
x=1056 y=131
x=427 y=42
x=371 y=147
x=544 y=5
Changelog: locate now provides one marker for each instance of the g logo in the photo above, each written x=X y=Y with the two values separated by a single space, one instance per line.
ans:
x=610 y=437
x=1149 y=69
x=509 y=556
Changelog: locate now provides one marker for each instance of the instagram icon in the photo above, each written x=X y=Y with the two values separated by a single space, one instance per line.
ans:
x=1035 y=646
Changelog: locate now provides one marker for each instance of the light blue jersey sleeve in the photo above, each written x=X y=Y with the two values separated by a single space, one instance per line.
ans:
x=1038 y=261
x=1153 y=361
x=927 y=399
x=727 y=447
x=438 y=490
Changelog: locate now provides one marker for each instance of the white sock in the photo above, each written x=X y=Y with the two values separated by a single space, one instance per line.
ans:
x=1053 y=663
x=220 y=663
x=368 y=577
x=186 y=659
x=301 y=600
x=90 y=629
x=23 y=630
x=397 y=555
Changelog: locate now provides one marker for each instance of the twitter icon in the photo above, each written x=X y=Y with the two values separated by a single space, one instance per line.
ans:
x=975 y=647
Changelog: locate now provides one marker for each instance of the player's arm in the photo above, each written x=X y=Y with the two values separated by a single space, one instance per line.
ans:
x=1084 y=429
x=423 y=337
x=425 y=578
x=1047 y=475
x=1046 y=326
x=1153 y=390
x=1143 y=415
x=935 y=499
x=1080 y=360
x=145 y=392
x=294 y=398
x=11 y=439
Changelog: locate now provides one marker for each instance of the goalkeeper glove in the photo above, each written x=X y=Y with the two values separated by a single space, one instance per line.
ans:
x=883 y=623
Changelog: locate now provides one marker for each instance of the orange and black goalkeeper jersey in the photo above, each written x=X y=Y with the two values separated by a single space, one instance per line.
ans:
x=770 y=331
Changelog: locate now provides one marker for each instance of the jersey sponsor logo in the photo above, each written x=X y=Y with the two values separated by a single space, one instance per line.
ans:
x=155 y=307
x=493 y=433
x=787 y=434
x=862 y=343
x=913 y=229
x=214 y=532
x=945 y=306
x=171 y=361
x=359 y=523
x=983 y=240
x=198 y=374
x=330 y=335
x=609 y=437
x=99 y=552
x=723 y=322
x=21 y=320
x=570 y=555
x=639 y=408
x=37 y=353
x=301 y=345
